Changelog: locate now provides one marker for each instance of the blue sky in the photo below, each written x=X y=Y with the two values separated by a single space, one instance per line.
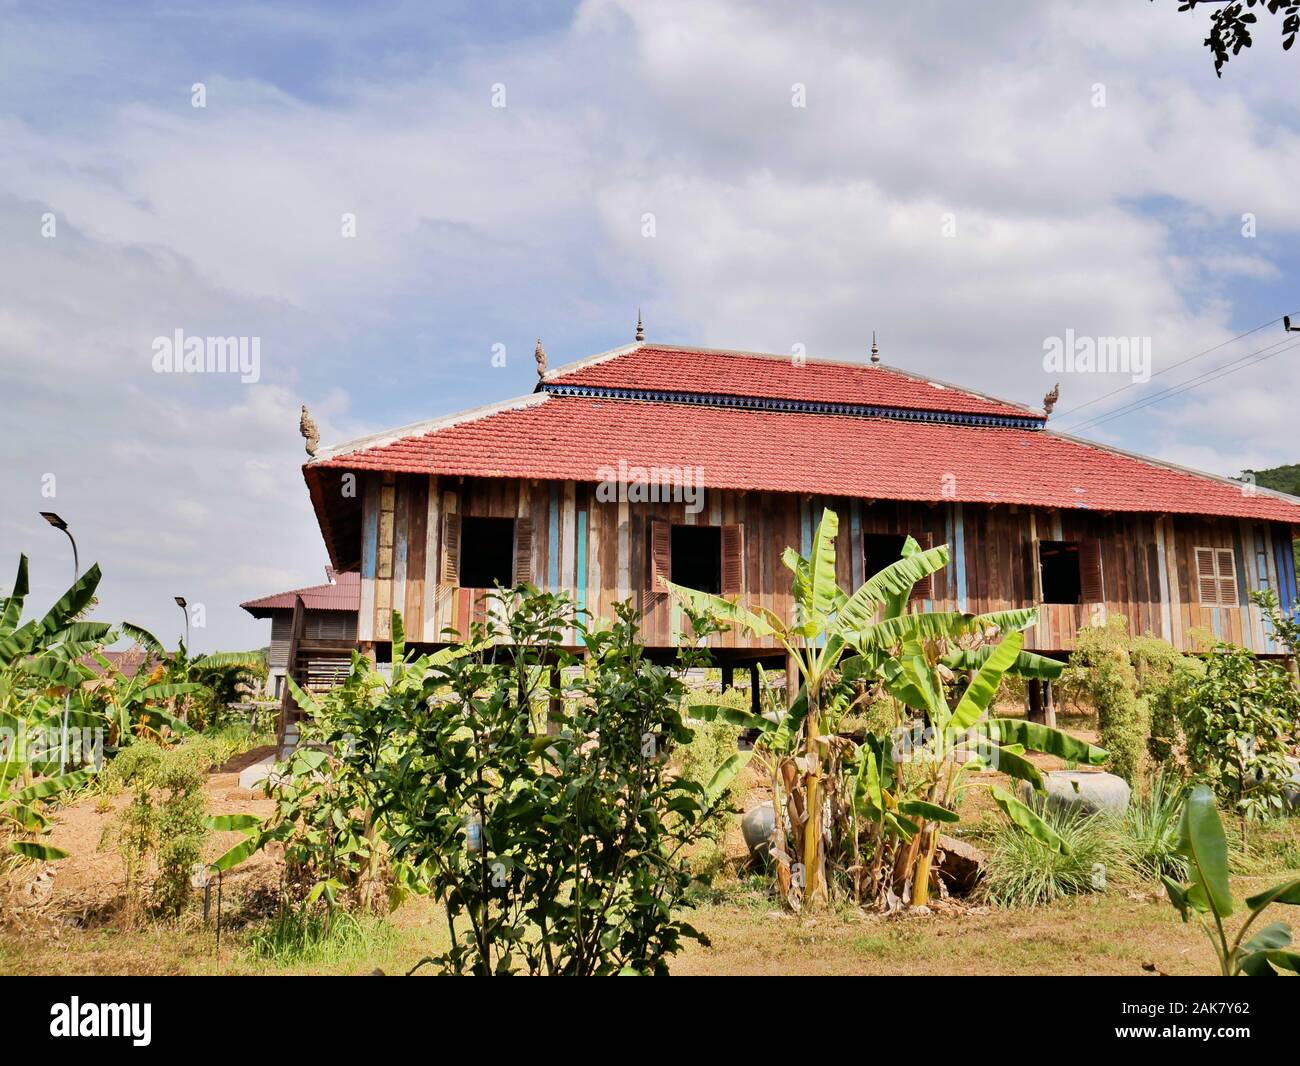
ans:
x=476 y=225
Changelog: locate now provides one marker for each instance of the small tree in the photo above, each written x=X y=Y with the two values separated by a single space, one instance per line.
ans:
x=1239 y=719
x=1105 y=669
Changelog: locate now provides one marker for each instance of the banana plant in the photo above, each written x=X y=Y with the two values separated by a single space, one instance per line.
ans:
x=1209 y=896
x=38 y=666
x=836 y=639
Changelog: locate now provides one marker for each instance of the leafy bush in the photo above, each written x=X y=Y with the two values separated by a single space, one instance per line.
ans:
x=712 y=744
x=1165 y=677
x=1022 y=871
x=1239 y=718
x=164 y=824
x=1102 y=662
x=558 y=852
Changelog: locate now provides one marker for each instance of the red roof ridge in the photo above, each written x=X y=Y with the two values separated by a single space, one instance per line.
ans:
x=554 y=376
x=341 y=594
x=420 y=429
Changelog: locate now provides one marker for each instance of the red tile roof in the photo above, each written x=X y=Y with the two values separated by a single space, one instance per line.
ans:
x=570 y=437
x=128 y=663
x=344 y=594
x=662 y=368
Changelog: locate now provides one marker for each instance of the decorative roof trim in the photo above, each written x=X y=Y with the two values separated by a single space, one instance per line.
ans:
x=852 y=364
x=815 y=407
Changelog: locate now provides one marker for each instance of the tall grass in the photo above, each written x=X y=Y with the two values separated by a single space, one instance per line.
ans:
x=310 y=935
x=1022 y=872
x=1151 y=829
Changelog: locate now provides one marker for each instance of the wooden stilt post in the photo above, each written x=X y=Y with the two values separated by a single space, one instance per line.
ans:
x=728 y=676
x=1035 y=688
x=555 y=705
x=755 y=696
x=1049 y=705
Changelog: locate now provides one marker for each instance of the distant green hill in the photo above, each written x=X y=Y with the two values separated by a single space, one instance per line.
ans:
x=1280 y=478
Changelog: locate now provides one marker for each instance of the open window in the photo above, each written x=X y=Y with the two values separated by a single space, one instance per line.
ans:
x=881 y=549
x=1216 y=577
x=1070 y=571
x=487 y=552
x=707 y=558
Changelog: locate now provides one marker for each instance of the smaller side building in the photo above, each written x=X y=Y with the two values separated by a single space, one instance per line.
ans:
x=329 y=617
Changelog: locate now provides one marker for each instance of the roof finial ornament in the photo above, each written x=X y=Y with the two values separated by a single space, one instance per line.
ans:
x=307 y=427
x=875 y=348
x=640 y=329
x=539 y=353
x=1049 y=401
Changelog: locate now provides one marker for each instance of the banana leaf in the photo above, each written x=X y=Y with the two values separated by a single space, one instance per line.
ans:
x=1027 y=663
x=1037 y=737
x=979 y=694
x=1202 y=842
x=1029 y=820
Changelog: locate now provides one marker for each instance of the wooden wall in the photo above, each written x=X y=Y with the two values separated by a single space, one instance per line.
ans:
x=597 y=552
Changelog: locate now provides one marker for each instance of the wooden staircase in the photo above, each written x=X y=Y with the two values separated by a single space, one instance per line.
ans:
x=316 y=666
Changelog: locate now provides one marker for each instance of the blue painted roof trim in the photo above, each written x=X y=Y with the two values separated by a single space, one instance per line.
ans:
x=815 y=407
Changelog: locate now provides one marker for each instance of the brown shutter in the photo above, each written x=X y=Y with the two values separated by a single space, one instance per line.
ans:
x=523 y=551
x=733 y=560
x=1207 y=585
x=924 y=589
x=450 y=549
x=661 y=554
x=1090 y=585
x=1227 y=576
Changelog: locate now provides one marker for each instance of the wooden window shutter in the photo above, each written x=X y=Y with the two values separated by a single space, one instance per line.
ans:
x=1207 y=585
x=1090 y=584
x=523 y=551
x=1227 y=561
x=661 y=554
x=733 y=560
x=924 y=589
x=450 y=549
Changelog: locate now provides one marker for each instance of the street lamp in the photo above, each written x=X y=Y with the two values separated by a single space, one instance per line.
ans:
x=59 y=524
x=62 y=526
x=180 y=602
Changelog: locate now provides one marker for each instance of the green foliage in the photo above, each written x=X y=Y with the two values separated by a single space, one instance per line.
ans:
x=1150 y=825
x=181 y=832
x=1165 y=677
x=712 y=743
x=561 y=852
x=295 y=936
x=1239 y=718
x=164 y=824
x=1101 y=659
x=1209 y=896
x=1023 y=871
x=941 y=668
x=1286 y=628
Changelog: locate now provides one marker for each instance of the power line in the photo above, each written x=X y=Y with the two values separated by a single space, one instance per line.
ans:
x=1204 y=375
x=1193 y=383
x=1172 y=366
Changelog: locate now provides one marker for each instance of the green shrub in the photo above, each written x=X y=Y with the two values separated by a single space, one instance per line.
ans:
x=711 y=744
x=181 y=831
x=1239 y=718
x=1165 y=677
x=1103 y=665
x=1024 y=872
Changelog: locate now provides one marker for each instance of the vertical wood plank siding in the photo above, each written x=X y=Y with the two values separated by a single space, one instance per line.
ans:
x=597 y=551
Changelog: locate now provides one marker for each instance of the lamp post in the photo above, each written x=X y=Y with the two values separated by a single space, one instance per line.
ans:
x=59 y=524
x=180 y=602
